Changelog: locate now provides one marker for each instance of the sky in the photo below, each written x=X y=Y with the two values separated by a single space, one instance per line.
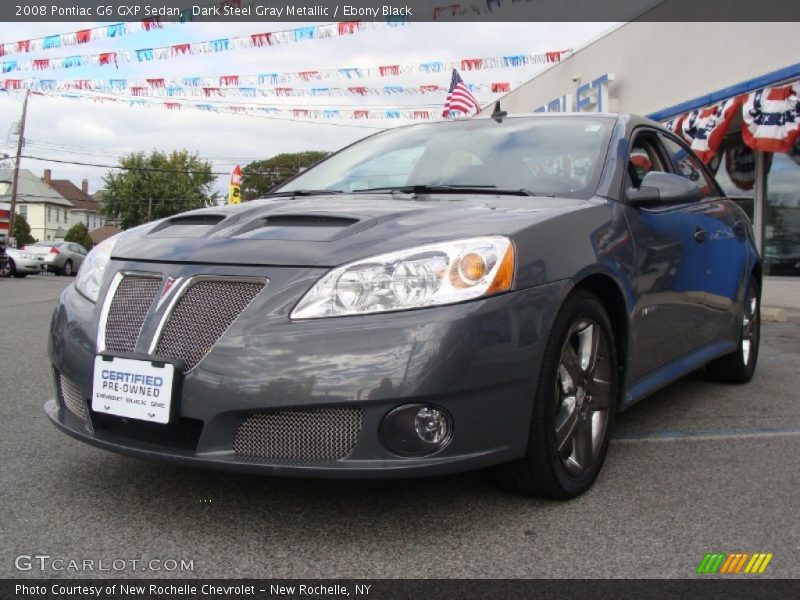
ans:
x=86 y=131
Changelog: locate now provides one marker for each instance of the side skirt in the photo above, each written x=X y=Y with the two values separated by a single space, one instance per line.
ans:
x=675 y=370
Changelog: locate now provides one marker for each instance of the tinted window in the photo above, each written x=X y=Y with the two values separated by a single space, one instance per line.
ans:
x=688 y=165
x=644 y=158
x=549 y=155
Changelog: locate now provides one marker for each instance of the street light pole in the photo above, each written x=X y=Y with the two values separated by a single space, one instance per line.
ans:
x=15 y=182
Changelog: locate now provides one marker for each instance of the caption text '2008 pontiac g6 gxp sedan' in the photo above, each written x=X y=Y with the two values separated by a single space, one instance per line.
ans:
x=432 y=299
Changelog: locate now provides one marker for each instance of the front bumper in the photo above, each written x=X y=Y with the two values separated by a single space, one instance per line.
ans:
x=478 y=360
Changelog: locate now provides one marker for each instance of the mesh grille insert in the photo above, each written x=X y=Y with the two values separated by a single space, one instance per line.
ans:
x=318 y=434
x=200 y=317
x=72 y=398
x=132 y=300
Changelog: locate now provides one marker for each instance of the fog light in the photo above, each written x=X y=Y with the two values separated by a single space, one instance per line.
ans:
x=432 y=425
x=416 y=429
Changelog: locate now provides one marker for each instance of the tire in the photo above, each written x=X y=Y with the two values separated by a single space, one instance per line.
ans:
x=563 y=411
x=740 y=365
x=66 y=270
x=7 y=269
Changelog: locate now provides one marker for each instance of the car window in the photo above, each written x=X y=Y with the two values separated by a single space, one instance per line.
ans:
x=644 y=157
x=561 y=156
x=688 y=165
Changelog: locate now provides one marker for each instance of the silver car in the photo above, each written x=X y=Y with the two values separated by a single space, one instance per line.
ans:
x=22 y=263
x=64 y=258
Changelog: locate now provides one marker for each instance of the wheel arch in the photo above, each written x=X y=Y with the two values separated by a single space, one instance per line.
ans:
x=608 y=291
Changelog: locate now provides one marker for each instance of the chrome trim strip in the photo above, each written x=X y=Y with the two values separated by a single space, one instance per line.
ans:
x=112 y=291
x=184 y=288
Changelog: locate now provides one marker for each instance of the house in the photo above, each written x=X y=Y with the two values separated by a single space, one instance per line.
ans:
x=46 y=211
x=103 y=233
x=85 y=209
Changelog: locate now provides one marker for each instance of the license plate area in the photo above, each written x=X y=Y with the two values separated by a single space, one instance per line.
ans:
x=134 y=388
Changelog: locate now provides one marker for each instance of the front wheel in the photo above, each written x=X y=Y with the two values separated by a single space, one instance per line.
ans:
x=740 y=365
x=574 y=407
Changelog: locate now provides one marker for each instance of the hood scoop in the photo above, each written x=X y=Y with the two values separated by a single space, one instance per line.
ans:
x=188 y=226
x=301 y=227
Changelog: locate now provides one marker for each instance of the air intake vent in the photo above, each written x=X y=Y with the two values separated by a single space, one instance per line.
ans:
x=307 y=221
x=314 y=435
x=128 y=309
x=72 y=397
x=202 y=315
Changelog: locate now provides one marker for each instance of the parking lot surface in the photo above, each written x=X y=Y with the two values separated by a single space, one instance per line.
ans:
x=699 y=467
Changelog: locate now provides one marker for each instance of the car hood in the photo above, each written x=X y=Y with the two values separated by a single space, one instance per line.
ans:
x=326 y=231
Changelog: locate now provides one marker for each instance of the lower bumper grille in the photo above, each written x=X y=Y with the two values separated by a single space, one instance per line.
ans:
x=317 y=434
x=72 y=397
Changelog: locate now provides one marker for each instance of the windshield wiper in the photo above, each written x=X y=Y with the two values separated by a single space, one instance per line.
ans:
x=448 y=189
x=302 y=193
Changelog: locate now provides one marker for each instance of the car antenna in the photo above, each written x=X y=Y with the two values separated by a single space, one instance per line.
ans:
x=498 y=114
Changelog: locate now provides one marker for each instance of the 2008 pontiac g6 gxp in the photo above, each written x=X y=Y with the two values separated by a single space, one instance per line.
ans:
x=431 y=299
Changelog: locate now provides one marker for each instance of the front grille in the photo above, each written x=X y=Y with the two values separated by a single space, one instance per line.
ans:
x=129 y=306
x=72 y=397
x=200 y=317
x=317 y=434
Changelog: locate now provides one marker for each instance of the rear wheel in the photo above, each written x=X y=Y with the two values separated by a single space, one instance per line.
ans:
x=573 y=411
x=740 y=365
x=67 y=269
x=6 y=268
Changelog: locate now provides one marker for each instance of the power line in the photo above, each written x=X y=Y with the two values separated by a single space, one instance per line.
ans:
x=150 y=169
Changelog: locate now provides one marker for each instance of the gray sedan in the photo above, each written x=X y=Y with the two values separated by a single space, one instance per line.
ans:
x=22 y=263
x=434 y=298
x=64 y=258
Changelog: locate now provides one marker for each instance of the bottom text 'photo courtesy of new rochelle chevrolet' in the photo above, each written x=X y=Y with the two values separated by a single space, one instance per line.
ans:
x=436 y=298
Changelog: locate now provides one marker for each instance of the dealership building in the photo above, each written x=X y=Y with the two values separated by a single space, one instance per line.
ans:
x=732 y=90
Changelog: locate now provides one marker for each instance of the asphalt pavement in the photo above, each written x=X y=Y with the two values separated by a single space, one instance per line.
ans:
x=699 y=467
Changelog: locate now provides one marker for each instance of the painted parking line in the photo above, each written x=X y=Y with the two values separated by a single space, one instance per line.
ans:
x=707 y=435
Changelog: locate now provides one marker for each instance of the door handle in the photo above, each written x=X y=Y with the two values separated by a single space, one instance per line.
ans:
x=699 y=235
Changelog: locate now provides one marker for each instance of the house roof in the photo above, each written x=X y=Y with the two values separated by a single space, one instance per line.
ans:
x=79 y=199
x=30 y=189
x=103 y=233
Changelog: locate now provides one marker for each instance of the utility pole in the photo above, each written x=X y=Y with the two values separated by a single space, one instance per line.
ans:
x=15 y=183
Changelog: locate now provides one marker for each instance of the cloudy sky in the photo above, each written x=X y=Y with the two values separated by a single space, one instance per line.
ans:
x=90 y=132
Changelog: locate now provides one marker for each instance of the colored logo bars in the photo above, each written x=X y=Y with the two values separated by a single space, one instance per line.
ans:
x=736 y=562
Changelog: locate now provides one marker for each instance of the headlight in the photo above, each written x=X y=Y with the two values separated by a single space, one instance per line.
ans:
x=90 y=275
x=429 y=275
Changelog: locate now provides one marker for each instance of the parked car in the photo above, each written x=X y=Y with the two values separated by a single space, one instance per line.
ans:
x=432 y=299
x=64 y=258
x=22 y=263
x=782 y=255
x=3 y=256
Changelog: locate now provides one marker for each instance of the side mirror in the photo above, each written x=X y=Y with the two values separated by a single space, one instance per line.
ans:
x=664 y=188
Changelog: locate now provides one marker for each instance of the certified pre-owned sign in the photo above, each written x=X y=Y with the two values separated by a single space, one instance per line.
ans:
x=137 y=389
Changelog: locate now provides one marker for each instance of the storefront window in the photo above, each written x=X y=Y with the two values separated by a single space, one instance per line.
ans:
x=782 y=219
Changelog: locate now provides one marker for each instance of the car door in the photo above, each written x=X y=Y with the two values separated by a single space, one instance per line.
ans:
x=672 y=259
x=78 y=254
x=725 y=228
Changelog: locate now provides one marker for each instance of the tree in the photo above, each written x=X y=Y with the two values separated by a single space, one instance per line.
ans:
x=22 y=231
x=79 y=234
x=158 y=185
x=261 y=176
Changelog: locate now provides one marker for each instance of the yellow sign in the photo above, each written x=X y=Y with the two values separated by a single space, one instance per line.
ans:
x=235 y=189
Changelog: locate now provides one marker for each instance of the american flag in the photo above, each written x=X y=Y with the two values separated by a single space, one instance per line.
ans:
x=459 y=98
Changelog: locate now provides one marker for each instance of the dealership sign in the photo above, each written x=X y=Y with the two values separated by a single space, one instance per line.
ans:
x=588 y=97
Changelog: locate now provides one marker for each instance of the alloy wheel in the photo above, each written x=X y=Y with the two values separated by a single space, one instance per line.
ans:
x=583 y=395
x=749 y=327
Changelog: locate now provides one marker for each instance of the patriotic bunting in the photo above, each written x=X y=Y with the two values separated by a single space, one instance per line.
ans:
x=770 y=121
x=772 y=118
x=703 y=129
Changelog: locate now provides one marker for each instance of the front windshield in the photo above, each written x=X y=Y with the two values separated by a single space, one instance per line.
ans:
x=549 y=156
